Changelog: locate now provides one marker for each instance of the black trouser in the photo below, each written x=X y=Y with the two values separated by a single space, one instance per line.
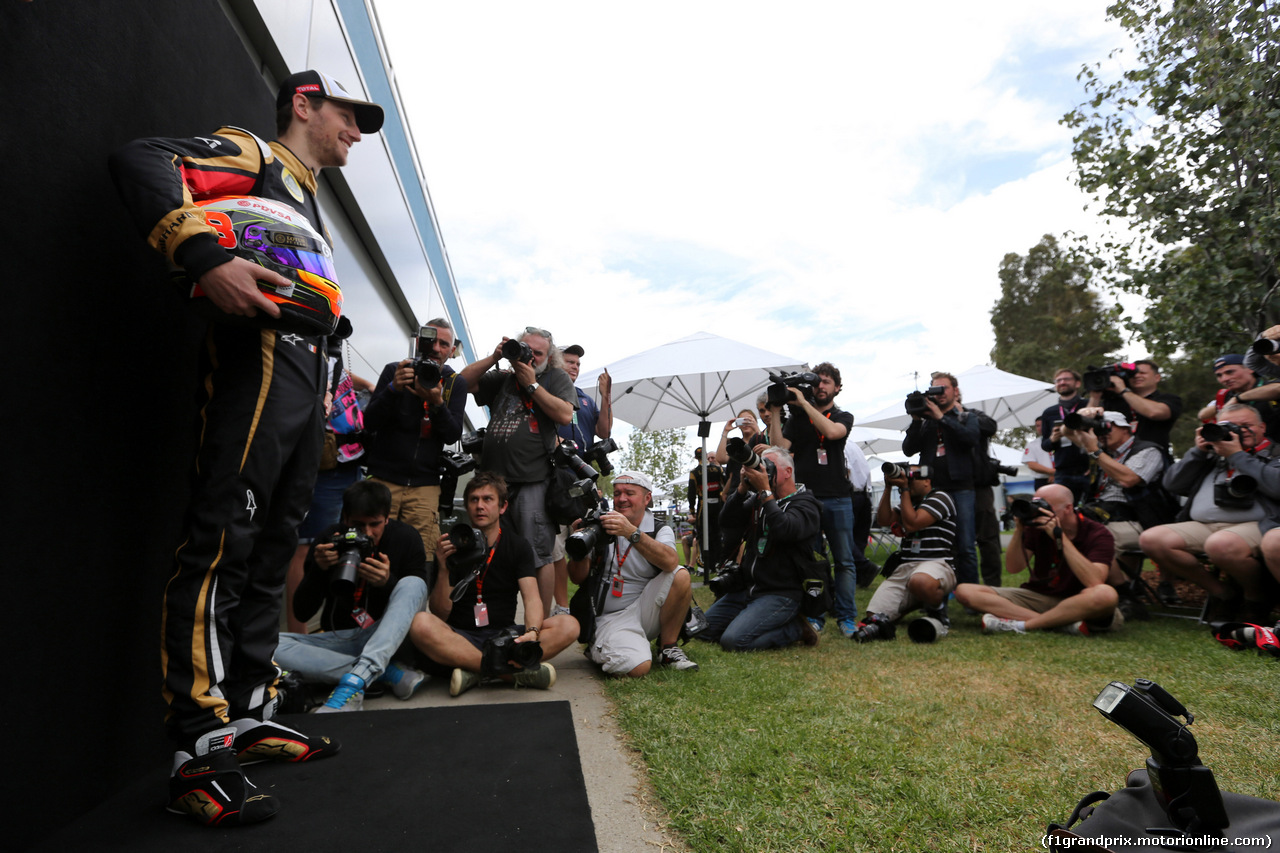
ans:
x=711 y=547
x=862 y=515
x=260 y=434
x=987 y=535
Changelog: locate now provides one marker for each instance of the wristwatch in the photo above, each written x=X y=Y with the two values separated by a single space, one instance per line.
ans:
x=1094 y=454
x=634 y=537
x=765 y=493
x=529 y=389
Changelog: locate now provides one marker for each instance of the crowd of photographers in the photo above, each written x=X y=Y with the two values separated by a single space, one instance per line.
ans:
x=779 y=515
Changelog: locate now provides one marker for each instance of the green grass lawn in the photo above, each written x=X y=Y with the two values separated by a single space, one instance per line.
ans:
x=972 y=743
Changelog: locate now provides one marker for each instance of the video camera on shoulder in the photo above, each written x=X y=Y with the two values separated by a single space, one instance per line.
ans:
x=916 y=404
x=513 y=351
x=425 y=369
x=353 y=547
x=779 y=392
x=1099 y=378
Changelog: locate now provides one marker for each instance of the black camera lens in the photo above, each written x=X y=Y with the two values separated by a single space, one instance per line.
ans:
x=514 y=351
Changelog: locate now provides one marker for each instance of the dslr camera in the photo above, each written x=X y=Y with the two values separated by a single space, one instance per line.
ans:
x=915 y=403
x=452 y=466
x=747 y=457
x=1221 y=431
x=588 y=538
x=599 y=455
x=779 y=390
x=728 y=578
x=893 y=471
x=1078 y=422
x=514 y=351
x=425 y=369
x=1099 y=378
x=1236 y=493
x=1028 y=510
x=353 y=547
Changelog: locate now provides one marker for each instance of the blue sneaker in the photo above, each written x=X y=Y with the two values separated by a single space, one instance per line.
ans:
x=816 y=624
x=347 y=696
x=404 y=679
x=848 y=627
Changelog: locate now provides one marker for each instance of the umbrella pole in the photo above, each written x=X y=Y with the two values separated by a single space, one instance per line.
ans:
x=706 y=522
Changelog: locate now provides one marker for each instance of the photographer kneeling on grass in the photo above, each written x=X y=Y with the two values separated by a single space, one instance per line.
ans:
x=649 y=591
x=1069 y=557
x=781 y=520
x=923 y=575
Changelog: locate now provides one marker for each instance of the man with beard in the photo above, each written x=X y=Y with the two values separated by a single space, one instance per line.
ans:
x=815 y=434
x=1070 y=465
x=525 y=404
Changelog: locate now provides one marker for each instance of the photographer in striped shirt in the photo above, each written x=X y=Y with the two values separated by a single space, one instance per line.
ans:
x=920 y=572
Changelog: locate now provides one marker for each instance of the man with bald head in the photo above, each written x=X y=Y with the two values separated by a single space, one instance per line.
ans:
x=1069 y=556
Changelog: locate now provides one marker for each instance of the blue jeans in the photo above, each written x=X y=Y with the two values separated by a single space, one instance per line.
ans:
x=329 y=655
x=837 y=526
x=966 y=561
x=743 y=623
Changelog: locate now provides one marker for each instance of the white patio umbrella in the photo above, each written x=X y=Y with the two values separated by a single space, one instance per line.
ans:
x=1011 y=399
x=702 y=377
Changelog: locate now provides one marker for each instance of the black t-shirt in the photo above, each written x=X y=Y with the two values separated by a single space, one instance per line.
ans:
x=819 y=460
x=498 y=583
x=1156 y=432
x=402 y=547
x=1067 y=458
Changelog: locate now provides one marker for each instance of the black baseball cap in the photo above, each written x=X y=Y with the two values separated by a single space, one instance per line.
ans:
x=317 y=84
x=574 y=349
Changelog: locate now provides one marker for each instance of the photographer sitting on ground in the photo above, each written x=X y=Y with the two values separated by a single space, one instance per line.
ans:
x=781 y=520
x=365 y=617
x=924 y=577
x=1124 y=476
x=1069 y=556
x=649 y=592
x=475 y=602
x=1232 y=477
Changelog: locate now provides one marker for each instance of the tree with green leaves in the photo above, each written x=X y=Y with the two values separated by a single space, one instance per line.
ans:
x=1184 y=149
x=660 y=453
x=1048 y=317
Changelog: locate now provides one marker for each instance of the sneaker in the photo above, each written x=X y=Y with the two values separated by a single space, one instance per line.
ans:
x=210 y=788
x=848 y=627
x=815 y=624
x=462 y=681
x=404 y=679
x=558 y=610
x=541 y=678
x=674 y=657
x=808 y=636
x=940 y=613
x=1078 y=629
x=347 y=696
x=992 y=624
x=258 y=741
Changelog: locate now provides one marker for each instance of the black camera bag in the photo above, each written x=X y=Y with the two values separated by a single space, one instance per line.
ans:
x=1135 y=813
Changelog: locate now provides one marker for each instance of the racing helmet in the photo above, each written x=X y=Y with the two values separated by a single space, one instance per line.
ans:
x=276 y=236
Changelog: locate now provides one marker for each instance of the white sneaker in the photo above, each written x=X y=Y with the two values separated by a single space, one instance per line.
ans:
x=992 y=624
x=675 y=658
x=559 y=610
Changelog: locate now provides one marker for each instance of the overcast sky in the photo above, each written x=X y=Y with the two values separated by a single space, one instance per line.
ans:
x=829 y=180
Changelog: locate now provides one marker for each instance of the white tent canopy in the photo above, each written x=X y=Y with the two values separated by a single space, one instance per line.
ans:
x=1011 y=399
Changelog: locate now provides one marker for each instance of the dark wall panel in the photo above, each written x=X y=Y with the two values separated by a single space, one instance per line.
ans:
x=100 y=362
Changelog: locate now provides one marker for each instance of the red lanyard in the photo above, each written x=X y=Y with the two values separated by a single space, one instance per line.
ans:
x=485 y=573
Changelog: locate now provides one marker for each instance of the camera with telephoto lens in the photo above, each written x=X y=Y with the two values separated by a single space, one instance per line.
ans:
x=513 y=351
x=1236 y=492
x=352 y=547
x=915 y=403
x=589 y=537
x=473 y=442
x=877 y=627
x=728 y=578
x=502 y=655
x=1078 y=422
x=1221 y=431
x=893 y=471
x=1027 y=510
x=452 y=466
x=577 y=498
x=599 y=455
x=1266 y=346
x=1099 y=378
x=779 y=392
x=425 y=369
x=1184 y=787
x=739 y=451
x=470 y=550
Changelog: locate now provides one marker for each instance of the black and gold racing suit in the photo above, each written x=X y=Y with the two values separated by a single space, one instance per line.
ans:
x=260 y=420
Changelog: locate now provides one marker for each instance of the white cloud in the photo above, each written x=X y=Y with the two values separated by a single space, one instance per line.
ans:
x=852 y=176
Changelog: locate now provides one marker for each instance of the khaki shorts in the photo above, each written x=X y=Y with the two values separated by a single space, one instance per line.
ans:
x=418 y=507
x=623 y=639
x=892 y=597
x=1194 y=533
x=1041 y=603
x=1126 y=534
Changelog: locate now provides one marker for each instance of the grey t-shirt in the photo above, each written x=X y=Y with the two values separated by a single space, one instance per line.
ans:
x=1203 y=509
x=636 y=570
x=513 y=443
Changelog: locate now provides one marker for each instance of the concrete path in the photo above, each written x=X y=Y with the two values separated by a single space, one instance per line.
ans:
x=624 y=815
